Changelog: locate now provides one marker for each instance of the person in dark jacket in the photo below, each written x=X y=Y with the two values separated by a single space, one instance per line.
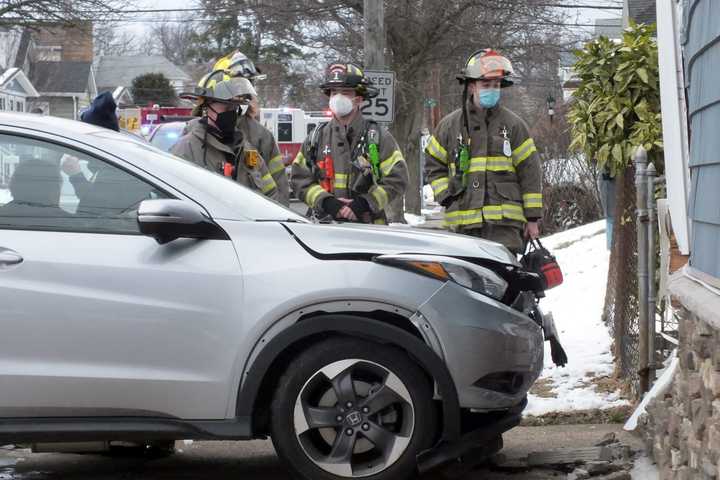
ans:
x=102 y=112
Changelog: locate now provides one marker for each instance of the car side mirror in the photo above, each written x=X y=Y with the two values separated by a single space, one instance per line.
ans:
x=166 y=220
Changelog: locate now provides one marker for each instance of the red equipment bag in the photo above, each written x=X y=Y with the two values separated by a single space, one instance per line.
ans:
x=539 y=260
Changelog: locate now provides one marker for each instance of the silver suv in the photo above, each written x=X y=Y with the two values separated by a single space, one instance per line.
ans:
x=145 y=299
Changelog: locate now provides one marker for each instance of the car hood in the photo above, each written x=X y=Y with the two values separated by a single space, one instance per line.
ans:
x=343 y=239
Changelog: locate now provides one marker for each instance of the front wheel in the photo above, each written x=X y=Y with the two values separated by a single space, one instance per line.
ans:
x=353 y=409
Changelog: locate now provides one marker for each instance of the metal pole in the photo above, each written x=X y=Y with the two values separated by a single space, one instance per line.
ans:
x=651 y=231
x=374 y=34
x=642 y=265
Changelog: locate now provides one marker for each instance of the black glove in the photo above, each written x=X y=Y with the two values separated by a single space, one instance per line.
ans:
x=557 y=352
x=448 y=201
x=332 y=206
x=360 y=206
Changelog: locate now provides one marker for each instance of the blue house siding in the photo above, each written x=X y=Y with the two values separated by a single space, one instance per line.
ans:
x=702 y=66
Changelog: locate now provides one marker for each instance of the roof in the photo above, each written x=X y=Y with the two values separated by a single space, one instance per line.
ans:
x=23 y=47
x=114 y=72
x=642 y=11
x=61 y=77
x=22 y=81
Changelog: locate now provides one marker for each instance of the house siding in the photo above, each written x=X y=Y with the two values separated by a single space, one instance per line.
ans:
x=60 y=106
x=701 y=48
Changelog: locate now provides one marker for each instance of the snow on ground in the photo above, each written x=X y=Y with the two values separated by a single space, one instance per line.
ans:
x=644 y=469
x=5 y=196
x=577 y=307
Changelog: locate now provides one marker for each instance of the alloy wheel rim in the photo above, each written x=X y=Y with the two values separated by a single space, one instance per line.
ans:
x=354 y=418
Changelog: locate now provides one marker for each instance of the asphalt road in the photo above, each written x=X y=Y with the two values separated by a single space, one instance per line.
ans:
x=257 y=461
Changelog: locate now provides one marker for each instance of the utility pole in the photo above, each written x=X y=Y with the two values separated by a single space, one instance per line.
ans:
x=374 y=34
x=375 y=60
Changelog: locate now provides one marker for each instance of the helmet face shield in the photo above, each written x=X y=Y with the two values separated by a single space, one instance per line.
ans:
x=218 y=86
x=237 y=64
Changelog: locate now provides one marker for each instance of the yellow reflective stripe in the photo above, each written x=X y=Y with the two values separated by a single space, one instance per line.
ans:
x=300 y=159
x=268 y=183
x=488 y=212
x=463 y=217
x=500 y=164
x=532 y=200
x=312 y=194
x=276 y=164
x=341 y=180
x=436 y=150
x=440 y=185
x=521 y=153
x=492 y=164
x=379 y=221
x=522 y=147
x=381 y=196
x=506 y=210
x=387 y=165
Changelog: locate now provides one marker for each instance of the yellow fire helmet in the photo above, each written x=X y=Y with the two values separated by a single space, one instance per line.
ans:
x=487 y=64
x=218 y=86
x=237 y=64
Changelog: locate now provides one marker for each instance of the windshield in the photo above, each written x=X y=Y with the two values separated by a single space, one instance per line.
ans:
x=166 y=136
x=238 y=202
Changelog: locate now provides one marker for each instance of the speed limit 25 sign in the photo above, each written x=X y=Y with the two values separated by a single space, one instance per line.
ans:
x=382 y=107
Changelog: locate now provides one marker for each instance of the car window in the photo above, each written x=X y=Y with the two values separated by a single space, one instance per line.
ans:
x=240 y=202
x=44 y=186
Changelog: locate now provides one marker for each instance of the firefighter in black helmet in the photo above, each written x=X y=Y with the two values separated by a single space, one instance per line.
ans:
x=350 y=168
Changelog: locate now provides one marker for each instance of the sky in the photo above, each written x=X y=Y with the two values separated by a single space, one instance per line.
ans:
x=581 y=15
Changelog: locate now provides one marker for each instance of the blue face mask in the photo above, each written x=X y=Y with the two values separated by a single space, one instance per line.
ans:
x=489 y=98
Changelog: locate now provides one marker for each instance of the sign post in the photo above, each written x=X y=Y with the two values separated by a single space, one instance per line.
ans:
x=381 y=108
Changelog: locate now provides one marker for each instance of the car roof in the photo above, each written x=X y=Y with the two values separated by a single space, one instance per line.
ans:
x=73 y=129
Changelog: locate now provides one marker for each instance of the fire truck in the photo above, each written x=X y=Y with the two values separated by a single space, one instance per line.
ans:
x=142 y=120
x=291 y=126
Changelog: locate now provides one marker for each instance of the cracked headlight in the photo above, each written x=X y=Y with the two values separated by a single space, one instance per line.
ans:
x=474 y=277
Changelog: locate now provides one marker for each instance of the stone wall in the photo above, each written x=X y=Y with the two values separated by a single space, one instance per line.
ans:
x=682 y=427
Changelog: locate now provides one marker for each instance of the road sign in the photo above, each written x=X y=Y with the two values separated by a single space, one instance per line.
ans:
x=382 y=107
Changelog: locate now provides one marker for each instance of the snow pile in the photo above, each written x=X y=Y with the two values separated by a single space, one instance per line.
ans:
x=5 y=196
x=577 y=307
x=414 y=220
x=644 y=469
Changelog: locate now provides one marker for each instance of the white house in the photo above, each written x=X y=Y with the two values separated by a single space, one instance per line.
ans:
x=15 y=90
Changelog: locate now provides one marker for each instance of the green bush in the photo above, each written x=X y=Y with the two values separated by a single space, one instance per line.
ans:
x=617 y=105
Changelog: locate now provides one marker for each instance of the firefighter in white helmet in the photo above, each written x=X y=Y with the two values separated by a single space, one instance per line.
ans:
x=482 y=163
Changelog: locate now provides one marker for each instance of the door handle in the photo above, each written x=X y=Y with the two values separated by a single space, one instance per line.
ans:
x=9 y=258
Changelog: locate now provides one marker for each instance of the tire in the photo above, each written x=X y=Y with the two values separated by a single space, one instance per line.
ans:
x=372 y=412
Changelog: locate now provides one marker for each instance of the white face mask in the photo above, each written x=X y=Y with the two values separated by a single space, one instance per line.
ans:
x=341 y=105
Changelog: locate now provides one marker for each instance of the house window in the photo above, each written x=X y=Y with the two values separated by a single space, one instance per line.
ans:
x=2 y=103
x=49 y=53
x=20 y=106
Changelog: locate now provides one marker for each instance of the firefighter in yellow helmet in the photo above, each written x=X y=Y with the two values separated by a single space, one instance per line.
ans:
x=237 y=65
x=482 y=163
x=350 y=168
x=214 y=142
